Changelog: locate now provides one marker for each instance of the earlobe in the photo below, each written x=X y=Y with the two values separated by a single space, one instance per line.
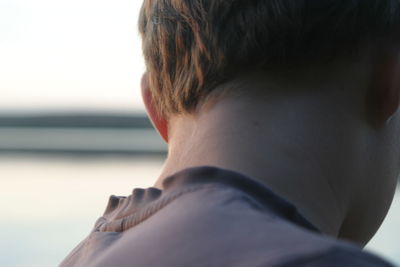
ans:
x=385 y=91
x=161 y=124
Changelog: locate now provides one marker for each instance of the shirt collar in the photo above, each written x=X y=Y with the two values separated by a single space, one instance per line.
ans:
x=260 y=192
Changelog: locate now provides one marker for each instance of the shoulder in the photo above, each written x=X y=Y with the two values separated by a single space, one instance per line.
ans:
x=343 y=256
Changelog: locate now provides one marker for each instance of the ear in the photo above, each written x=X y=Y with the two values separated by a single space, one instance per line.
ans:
x=385 y=89
x=161 y=124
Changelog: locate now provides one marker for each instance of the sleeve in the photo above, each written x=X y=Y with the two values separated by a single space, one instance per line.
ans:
x=339 y=257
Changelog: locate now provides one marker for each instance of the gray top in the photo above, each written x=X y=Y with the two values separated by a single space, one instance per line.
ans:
x=207 y=216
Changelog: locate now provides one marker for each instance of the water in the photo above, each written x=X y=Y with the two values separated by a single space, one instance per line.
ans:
x=48 y=205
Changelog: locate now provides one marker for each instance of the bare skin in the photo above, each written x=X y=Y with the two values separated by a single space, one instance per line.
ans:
x=333 y=150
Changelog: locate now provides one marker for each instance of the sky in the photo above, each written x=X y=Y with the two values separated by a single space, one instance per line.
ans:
x=82 y=55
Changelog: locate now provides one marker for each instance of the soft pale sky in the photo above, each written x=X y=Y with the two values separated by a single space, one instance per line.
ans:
x=75 y=54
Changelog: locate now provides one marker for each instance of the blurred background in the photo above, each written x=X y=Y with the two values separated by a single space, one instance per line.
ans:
x=72 y=126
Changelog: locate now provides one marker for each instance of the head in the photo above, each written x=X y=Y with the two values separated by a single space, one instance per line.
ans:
x=193 y=48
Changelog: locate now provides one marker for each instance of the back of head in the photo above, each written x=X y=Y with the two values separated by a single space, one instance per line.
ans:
x=192 y=46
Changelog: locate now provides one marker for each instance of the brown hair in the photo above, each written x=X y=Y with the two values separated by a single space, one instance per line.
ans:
x=192 y=46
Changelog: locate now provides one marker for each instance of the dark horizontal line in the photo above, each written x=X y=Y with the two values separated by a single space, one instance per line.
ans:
x=76 y=121
x=83 y=153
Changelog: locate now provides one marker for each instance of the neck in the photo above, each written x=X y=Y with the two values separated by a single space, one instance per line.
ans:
x=295 y=145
